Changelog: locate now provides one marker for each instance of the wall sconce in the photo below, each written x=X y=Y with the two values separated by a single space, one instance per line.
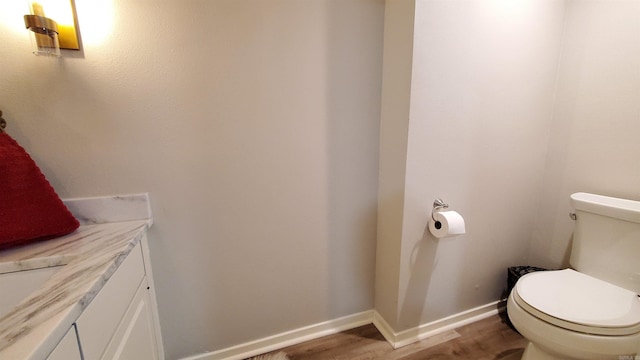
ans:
x=56 y=31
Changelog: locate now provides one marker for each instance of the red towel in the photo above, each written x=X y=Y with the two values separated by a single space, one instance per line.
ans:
x=30 y=210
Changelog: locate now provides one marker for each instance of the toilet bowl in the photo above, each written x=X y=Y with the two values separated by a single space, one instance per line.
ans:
x=592 y=311
x=568 y=315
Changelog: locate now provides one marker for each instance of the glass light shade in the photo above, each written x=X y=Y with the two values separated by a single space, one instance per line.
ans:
x=63 y=13
x=44 y=35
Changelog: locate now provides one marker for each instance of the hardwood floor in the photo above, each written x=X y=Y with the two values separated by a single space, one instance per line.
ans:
x=489 y=339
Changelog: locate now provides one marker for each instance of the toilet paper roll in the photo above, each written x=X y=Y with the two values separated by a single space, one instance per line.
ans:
x=447 y=223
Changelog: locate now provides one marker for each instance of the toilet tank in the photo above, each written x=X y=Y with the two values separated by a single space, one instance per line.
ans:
x=606 y=239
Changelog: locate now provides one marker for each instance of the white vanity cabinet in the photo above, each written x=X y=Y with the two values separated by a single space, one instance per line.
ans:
x=121 y=322
x=134 y=339
x=87 y=295
x=67 y=348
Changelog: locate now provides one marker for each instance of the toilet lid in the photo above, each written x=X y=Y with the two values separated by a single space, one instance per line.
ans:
x=580 y=302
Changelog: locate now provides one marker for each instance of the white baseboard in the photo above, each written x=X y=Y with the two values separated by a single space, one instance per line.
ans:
x=288 y=338
x=406 y=337
x=385 y=329
x=396 y=339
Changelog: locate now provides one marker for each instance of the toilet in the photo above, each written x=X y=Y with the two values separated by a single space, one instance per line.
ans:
x=592 y=310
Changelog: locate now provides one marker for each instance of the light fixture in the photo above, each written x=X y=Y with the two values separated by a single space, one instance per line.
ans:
x=55 y=31
x=44 y=32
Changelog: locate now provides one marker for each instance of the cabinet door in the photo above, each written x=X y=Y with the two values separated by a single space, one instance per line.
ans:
x=102 y=317
x=67 y=348
x=135 y=337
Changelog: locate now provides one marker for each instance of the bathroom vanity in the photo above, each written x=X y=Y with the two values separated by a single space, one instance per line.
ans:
x=87 y=295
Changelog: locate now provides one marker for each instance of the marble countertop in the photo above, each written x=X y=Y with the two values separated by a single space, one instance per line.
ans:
x=90 y=255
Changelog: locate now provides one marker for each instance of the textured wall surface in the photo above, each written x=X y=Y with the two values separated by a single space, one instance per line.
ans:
x=394 y=128
x=254 y=126
x=482 y=90
x=594 y=145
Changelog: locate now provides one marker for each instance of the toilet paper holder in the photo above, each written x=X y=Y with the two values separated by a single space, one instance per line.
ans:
x=445 y=223
x=437 y=205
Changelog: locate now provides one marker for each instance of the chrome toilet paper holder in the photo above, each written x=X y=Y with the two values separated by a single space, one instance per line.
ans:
x=445 y=223
x=437 y=205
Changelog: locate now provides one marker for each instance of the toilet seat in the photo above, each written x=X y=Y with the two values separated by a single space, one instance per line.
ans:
x=578 y=302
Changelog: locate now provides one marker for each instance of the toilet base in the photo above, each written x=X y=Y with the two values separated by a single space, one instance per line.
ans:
x=531 y=352
x=548 y=342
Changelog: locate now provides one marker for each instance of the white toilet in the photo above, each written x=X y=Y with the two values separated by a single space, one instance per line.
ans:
x=593 y=310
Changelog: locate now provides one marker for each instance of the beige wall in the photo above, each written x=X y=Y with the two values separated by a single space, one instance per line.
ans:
x=481 y=99
x=394 y=128
x=482 y=85
x=594 y=144
x=254 y=126
x=513 y=107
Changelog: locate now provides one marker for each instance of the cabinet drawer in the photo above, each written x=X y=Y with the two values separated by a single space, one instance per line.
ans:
x=100 y=319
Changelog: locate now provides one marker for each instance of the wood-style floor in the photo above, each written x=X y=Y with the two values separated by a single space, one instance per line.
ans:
x=489 y=339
